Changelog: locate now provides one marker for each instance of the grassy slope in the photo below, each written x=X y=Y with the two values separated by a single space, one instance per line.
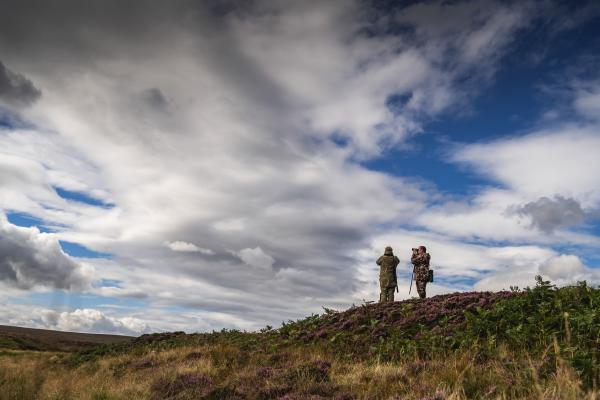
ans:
x=542 y=343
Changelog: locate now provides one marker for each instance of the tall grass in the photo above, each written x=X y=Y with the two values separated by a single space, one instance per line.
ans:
x=194 y=373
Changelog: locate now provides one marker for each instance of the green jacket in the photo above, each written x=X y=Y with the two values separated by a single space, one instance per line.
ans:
x=387 y=272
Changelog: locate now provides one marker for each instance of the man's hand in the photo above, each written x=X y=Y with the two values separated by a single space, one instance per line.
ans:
x=415 y=257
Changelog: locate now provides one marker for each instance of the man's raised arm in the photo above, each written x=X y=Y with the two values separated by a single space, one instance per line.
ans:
x=415 y=258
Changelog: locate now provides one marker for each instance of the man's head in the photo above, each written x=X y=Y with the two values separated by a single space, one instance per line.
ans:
x=422 y=250
x=389 y=251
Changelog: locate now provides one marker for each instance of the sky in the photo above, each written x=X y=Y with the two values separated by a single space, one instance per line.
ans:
x=200 y=165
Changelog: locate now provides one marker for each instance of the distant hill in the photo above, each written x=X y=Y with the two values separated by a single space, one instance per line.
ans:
x=18 y=338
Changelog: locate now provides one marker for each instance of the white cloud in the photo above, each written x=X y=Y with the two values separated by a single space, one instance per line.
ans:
x=568 y=268
x=547 y=179
x=188 y=247
x=235 y=224
x=91 y=320
x=561 y=161
x=482 y=217
x=561 y=270
x=256 y=257
x=587 y=100
x=340 y=80
x=78 y=320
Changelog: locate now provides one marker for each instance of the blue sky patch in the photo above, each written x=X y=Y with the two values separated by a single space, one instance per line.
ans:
x=108 y=283
x=455 y=281
x=10 y=120
x=26 y=220
x=81 y=198
x=77 y=250
x=22 y=219
x=512 y=103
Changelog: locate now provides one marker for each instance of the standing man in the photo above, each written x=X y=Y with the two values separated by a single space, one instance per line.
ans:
x=387 y=274
x=420 y=260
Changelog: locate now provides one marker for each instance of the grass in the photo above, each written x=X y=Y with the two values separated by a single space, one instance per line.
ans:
x=539 y=343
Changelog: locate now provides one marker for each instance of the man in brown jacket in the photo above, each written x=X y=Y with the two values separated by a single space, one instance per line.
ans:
x=420 y=260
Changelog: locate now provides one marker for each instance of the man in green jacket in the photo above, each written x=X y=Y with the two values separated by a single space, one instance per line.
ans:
x=387 y=275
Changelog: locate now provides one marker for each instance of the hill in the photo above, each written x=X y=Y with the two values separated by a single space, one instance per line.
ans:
x=18 y=338
x=539 y=343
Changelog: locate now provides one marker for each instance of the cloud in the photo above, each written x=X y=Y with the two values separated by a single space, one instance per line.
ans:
x=15 y=89
x=115 y=291
x=90 y=320
x=118 y=319
x=29 y=258
x=545 y=178
x=256 y=257
x=587 y=99
x=548 y=176
x=33 y=163
x=575 y=176
x=549 y=214
x=481 y=217
x=188 y=247
x=78 y=320
x=341 y=79
x=270 y=105
x=568 y=268
x=561 y=270
x=155 y=98
x=235 y=224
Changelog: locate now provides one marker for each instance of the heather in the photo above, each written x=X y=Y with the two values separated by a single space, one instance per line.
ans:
x=537 y=343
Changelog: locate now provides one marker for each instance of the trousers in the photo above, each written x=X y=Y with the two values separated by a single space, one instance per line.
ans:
x=421 y=285
x=387 y=294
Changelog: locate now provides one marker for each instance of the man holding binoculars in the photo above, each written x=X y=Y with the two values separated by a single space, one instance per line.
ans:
x=421 y=272
x=387 y=273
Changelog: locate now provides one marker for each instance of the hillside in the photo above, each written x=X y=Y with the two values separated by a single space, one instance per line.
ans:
x=540 y=343
x=18 y=338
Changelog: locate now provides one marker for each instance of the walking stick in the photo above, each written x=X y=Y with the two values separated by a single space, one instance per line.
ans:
x=411 y=280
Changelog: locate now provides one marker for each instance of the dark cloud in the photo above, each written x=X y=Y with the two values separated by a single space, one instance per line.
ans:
x=29 y=258
x=155 y=98
x=67 y=29
x=15 y=89
x=549 y=214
